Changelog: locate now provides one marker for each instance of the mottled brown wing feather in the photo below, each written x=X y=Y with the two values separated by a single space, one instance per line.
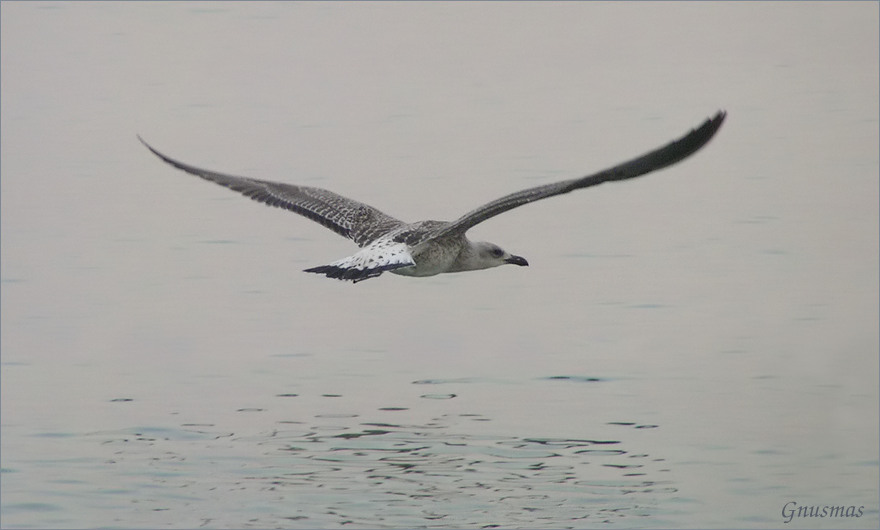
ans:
x=360 y=222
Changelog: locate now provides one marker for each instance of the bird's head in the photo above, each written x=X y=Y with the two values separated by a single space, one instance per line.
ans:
x=491 y=255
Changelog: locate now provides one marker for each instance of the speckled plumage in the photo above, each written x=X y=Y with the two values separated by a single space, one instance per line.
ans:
x=426 y=248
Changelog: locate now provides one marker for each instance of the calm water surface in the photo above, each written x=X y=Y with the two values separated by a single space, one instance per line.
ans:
x=695 y=349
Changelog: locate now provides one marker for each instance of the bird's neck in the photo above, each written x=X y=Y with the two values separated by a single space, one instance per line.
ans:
x=468 y=259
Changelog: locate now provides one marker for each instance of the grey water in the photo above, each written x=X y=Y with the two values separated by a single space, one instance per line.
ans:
x=697 y=348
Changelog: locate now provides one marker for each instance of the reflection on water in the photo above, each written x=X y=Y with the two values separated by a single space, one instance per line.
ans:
x=431 y=474
x=339 y=469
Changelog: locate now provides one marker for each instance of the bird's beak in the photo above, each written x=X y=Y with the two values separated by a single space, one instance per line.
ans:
x=517 y=260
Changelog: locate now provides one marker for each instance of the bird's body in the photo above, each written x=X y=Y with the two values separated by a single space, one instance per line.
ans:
x=426 y=248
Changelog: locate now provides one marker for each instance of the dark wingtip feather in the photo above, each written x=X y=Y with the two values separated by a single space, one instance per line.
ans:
x=712 y=125
x=168 y=160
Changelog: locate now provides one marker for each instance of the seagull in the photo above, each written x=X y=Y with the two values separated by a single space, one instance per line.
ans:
x=426 y=248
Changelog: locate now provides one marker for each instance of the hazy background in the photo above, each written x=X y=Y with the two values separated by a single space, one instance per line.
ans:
x=167 y=364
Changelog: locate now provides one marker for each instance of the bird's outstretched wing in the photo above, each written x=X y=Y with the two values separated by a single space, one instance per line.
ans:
x=657 y=159
x=357 y=221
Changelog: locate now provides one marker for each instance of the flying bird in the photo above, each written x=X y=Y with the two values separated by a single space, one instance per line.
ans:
x=426 y=248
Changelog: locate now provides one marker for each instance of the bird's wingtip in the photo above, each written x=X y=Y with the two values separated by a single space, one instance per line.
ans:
x=153 y=150
x=711 y=125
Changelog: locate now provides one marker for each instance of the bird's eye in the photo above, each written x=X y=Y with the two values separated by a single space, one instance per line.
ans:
x=497 y=252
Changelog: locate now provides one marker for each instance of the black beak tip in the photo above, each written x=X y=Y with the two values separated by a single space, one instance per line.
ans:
x=518 y=260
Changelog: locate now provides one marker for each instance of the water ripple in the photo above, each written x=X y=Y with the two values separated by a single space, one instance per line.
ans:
x=382 y=475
